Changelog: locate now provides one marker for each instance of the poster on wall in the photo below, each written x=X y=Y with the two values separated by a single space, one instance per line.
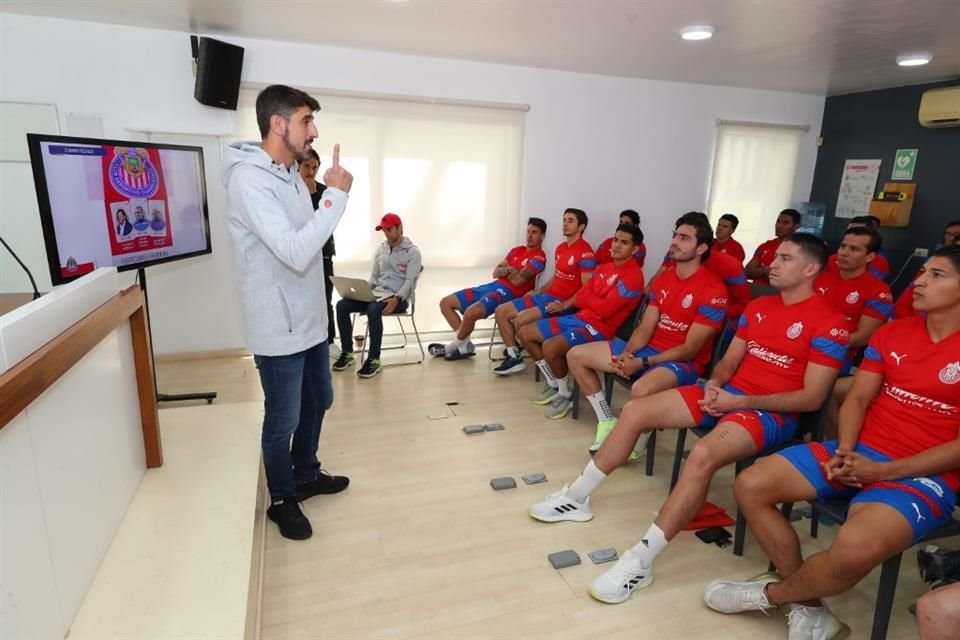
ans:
x=857 y=187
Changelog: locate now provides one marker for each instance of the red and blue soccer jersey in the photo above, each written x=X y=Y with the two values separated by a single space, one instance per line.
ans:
x=782 y=339
x=765 y=254
x=610 y=296
x=604 y=255
x=918 y=406
x=879 y=266
x=731 y=248
x=520 y=258
x=864 y=295
x=571 y=261
x=700 y=299
x=731 y=273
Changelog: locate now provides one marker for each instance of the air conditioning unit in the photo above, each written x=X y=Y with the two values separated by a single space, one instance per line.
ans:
x=940 y=108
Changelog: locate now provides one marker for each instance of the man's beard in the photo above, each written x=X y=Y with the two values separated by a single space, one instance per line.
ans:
x=300 y=155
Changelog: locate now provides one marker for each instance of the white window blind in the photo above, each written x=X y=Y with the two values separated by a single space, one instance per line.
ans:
x=754 y=169
x=451 y=172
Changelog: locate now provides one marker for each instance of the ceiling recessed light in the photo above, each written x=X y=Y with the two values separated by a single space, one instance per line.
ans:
x=914 y=59
x=701 y=32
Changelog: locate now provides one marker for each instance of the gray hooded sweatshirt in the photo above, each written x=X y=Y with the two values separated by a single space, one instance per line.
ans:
x=395 y=269
x=277 y=243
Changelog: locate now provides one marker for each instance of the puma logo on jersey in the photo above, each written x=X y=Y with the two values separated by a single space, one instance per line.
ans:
x=760 y=317
x=917 y=509
x=822 y=290
x=896 y=356
x=663 y=293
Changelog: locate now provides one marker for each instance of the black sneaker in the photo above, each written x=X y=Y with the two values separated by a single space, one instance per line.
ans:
x=323 y=485
x=369 y=369
x=293 y=524
x=345 y=360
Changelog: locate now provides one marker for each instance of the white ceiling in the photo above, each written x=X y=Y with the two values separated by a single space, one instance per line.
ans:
x=809 y=46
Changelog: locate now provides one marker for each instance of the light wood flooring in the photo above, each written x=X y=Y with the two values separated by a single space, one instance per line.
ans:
x=421 y=547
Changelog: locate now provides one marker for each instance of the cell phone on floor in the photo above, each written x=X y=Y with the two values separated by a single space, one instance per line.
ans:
x=713 y=534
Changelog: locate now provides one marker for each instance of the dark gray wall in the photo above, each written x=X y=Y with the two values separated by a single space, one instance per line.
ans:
x=874 y=124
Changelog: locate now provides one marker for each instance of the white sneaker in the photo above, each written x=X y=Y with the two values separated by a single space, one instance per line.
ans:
x=558 y=507
x=622 y=580
x=815 y=623
x=560 y=406
x=730 y=596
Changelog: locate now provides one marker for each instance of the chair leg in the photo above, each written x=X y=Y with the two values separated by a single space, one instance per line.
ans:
x=608 y=388
x=575 y=409
x=651 y=452
x=678 y=457
x=814 y=520
x=885 y=592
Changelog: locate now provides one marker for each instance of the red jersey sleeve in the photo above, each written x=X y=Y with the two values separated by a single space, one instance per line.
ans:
x=829 y=344
x=712 y=306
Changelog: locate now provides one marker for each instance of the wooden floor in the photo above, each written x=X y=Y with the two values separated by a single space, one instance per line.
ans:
x=421 y=547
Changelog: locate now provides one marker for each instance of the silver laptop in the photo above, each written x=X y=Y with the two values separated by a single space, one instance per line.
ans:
x=354 y=289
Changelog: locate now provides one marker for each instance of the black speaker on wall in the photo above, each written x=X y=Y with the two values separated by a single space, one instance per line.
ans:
x=218 y=73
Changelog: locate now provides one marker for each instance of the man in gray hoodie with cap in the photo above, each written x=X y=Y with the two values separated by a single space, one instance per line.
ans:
x=277 y=240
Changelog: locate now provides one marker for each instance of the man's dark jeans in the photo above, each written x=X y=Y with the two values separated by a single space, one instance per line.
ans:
x=374 y=312
x=297 y=393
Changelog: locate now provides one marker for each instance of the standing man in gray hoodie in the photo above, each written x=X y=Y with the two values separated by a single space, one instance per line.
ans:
x=277 y=240
x=396 y=266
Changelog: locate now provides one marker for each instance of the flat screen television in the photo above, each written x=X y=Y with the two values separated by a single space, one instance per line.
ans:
x=118 y=203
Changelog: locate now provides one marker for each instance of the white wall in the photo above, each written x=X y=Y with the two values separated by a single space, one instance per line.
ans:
x=595 y=142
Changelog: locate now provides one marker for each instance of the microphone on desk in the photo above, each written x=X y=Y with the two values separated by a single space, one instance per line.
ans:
x=33 y=283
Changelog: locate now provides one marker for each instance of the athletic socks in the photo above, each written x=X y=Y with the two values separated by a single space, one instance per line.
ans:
x=544 y=367
x=600 y=406
x=589 y=480
x=653 y=542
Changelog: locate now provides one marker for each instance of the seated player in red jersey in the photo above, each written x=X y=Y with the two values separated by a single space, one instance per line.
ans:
x=903 y=307
x=898 y=458
x=627 y=216
x=863 y=299
x=612 y=294
x=574 y=262
x=759 y=266
x=515 y=276
x=879 y=265
x=782 y=362
x=730 y=272
x=725 y=242
x=671 y=344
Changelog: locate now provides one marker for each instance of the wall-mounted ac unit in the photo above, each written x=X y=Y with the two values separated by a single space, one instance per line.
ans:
x=940 y=108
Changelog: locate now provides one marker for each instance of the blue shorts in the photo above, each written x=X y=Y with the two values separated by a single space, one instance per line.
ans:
x=574 y=330
x=534 y=301
x=926 y=503
x=683 y=371
x=767 y=428
x=490 y=295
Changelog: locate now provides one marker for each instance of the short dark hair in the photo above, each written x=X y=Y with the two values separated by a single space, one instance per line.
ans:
x=539 y=223
x=812 y=246
x=950 y=252
x=635 y=234
x=732 y=219
x=875 y=241
x=633 y=215
x=580 y=213
x=280 y=100
x=952 y=223
x=875 y=222
x=864 y=220
x=701 y=223
x=793 y=213
x=313 y=155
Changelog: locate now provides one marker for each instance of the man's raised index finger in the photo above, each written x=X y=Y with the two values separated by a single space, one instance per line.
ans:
x=336 y=155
